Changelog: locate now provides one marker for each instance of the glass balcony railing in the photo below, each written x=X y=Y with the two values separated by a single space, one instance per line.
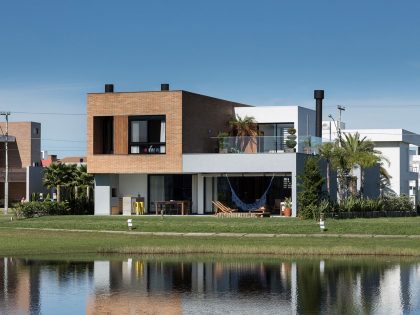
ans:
x=267 y=144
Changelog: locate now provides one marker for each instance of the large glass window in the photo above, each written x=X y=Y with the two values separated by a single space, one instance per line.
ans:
x=147 y=135
x=169 y=187
x=273 y=136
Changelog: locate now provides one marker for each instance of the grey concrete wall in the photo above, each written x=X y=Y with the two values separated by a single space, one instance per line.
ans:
x=371 y=185
x=131 y=185
x=34 y=175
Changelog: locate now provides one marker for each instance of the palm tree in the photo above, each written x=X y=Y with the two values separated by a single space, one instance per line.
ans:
x=384 y=181
x=73 y=181
x=84 y=179
x=244 y=129
x=55 y=176
x=326 y=151
x=361 y=152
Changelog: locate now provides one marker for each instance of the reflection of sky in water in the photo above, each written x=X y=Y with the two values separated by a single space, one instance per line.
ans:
x=226 y=287
x=68 y=295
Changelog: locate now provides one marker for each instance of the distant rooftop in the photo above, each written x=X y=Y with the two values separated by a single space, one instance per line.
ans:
x=387 y=135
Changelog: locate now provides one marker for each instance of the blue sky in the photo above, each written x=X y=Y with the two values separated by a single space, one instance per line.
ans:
x=365 y=54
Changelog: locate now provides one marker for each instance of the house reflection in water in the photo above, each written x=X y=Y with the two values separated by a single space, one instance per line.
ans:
x=166 y=285
x=176 y=287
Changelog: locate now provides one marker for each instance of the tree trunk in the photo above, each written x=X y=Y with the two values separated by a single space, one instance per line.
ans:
x=58 y=193
x=362 y=181
x=76 y=194
x=328 y=180
x=88 y=192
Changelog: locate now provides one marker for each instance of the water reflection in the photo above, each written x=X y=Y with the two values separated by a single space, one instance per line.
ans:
x=171 y=285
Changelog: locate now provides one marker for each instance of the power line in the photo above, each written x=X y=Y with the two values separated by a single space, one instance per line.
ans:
x=49 y=139
x=52 y=113
x=377 y=106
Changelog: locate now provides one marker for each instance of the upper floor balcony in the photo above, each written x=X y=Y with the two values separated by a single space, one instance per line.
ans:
x=267 y=144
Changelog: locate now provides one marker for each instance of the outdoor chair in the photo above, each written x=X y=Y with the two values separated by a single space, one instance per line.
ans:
x=278 y=206
x=220 y=207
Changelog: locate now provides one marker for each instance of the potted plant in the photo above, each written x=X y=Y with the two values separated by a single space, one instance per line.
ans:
x=221 y=138
x=291 y=140
x=287 y=211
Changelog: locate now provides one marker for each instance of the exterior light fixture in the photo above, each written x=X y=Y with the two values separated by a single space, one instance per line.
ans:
x=322 y=222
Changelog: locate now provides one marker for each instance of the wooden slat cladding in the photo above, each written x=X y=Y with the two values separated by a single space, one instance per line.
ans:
x=121 y=134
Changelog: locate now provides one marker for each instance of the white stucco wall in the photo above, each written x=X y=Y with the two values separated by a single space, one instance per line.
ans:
x=391 y=150
x=238 y=163
x=103 y=187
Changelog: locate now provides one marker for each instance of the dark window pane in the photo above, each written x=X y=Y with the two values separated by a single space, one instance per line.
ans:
x=154 y=130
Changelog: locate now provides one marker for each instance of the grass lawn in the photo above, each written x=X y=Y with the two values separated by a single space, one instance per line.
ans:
x=20 y=242
x=25 y=243
x=387 y=226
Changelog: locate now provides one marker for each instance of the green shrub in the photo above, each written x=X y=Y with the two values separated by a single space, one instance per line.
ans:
x=291 y=138
x=350 y=205
x=394 y=203
x=398 y=203
x=81 y=205
x=310 y=184
x=40 y=208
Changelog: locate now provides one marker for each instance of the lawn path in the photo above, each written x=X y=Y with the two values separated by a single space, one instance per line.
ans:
x=223 y=234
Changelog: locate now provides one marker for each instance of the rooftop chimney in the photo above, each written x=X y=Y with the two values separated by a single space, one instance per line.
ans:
x=164 y=87
x=318 y=96
x=109 y=88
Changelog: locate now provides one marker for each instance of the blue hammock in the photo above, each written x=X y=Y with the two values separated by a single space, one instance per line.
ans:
x=249 y=206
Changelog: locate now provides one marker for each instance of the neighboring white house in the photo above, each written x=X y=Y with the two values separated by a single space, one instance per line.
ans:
x=414 y=160
x=395 y=145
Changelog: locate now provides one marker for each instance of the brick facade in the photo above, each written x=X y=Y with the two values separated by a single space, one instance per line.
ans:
x=131 y=104
x=26 y=151
x=191 y=121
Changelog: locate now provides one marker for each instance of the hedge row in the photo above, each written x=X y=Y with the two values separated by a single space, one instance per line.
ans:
x=41 y=208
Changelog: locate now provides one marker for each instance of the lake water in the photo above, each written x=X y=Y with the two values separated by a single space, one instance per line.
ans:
x=209 y=285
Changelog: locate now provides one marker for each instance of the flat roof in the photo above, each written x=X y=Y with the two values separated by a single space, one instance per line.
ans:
x=387 y=135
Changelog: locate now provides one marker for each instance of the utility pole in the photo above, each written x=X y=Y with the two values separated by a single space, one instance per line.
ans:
x=6 y=177
x=340 y=109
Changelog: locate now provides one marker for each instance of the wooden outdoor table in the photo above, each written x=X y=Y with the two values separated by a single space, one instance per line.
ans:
x=181 y=204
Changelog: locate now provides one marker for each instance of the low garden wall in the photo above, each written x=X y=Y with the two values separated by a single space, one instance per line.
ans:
x=371 y=214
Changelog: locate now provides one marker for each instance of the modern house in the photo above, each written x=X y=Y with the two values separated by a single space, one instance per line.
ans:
x=164 y=145
x=24 y=150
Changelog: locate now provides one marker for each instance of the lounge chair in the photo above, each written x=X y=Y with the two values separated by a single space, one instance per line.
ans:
x=220 y=207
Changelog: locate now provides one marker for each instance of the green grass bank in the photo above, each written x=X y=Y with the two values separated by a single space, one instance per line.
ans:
x=17 y=242
x=21 y=242
x=211 y=224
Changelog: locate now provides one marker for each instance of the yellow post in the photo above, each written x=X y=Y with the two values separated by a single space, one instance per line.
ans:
x=139 y=207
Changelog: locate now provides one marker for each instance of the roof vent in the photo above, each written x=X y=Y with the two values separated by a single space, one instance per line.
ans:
x=164 y=87
x=109 y=88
